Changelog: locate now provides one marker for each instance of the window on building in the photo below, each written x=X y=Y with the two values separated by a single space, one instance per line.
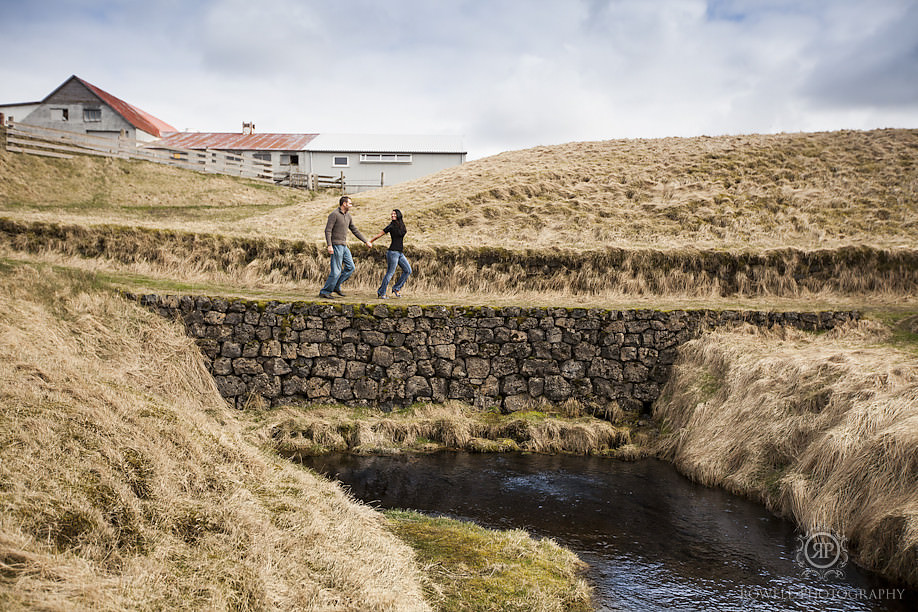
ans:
x=291 y=159
x=60 y=114
x=340 y=161
x=262 y=156
x=92 y=114
x=386 y=158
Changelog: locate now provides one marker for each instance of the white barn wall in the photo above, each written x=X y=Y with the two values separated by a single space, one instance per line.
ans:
x=17 y=112
x=362 y=176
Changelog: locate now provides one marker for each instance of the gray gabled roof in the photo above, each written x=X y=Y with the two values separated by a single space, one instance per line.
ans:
x=385 y=143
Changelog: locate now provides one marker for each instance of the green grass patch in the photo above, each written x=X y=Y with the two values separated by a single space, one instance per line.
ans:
x=708 y=385
x=470 y=568
x=905 y=333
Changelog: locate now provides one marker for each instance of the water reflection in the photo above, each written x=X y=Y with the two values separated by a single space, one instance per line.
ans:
x=653 y=539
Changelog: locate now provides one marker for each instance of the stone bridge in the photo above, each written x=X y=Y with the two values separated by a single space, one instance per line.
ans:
x=388 y=355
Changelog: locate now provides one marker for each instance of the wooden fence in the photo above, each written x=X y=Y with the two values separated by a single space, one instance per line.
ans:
x=312 y=181
x=21 y=138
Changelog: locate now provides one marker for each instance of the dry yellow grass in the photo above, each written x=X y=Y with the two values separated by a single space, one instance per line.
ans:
x=296 y=431
x=125 y=483
x=803 y=217
x=145 y=260
x=749 y=192
x=823 y=429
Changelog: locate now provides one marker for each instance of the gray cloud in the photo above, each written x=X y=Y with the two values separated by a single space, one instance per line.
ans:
x=506 y=74
x=876 y=65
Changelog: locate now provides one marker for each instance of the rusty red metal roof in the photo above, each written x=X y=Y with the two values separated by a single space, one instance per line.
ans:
x=235 y=141
x=141 y=120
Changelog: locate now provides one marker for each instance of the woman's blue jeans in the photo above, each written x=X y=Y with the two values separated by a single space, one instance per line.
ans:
x=395 y=259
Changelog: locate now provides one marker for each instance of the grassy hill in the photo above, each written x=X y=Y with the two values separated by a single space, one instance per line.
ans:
x=752 y=221
x=750 y=192
x=819 y=190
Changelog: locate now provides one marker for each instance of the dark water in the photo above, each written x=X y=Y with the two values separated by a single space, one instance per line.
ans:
x=653 y=539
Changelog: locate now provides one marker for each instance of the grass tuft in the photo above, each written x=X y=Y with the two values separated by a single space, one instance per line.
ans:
x=471 y=568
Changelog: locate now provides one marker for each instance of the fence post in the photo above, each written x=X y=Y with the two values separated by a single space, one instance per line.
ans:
x=342 y=181
x=382 y=179
x=2 y=131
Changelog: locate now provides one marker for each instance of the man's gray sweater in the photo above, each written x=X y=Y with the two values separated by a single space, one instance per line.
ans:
x=338 y=225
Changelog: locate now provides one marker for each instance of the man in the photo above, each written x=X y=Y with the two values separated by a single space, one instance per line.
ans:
x=342 y=264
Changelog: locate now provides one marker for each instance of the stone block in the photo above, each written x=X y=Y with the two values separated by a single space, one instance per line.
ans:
x=441 y=336
x=382 y=356
x=292 y=385
x=229 y=386
x=317 y=388
x=605 y=368
x=418 y=386
x=517 y=350
x=444 y=351
x=395 y=339
x=308 y=349
x=536 y=386
x=515 y=403
x=539 y=367
x=366 y=388
x=438 y=389
x=571 y=369
x=222 y=366
x=243 y=333
x=341 y=390
x=401 y=370
x=329 y=367
x=513 y=384
x=247 y=366
x=347 y=351
x=277 y=366
x=557 y=388
x=373 y=338
x=636 y=372
x=477 y=367
x=270 y=348
x=266 y=385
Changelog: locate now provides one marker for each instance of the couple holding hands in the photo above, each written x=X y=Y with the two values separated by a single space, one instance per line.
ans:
x=342 y=264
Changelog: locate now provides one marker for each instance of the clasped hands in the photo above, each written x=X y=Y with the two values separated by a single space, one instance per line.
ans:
x=331 y=249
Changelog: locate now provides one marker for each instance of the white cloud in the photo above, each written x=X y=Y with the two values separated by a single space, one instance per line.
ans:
x=506 y=74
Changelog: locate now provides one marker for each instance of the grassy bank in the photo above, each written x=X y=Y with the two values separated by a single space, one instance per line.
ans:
x=471 y=568
x=865 y=273
x=126 y=483
x=821 y=429
x=315 y=430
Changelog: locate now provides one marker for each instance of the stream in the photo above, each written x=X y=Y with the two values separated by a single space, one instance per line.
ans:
x=653 y=539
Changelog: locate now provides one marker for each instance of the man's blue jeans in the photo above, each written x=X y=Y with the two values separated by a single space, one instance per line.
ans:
x=395 y=259
x=342 y=266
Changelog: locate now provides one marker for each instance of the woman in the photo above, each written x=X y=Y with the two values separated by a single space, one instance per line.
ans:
x=394 y=256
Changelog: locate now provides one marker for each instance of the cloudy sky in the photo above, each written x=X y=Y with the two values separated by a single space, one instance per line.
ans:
x=504 y=74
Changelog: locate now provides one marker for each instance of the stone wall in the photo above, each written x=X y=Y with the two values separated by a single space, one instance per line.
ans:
x=389 y=355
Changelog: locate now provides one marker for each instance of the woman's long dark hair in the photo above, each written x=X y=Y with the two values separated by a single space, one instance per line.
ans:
x=398 y=220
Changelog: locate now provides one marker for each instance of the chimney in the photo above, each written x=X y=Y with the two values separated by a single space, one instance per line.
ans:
x=248 y=127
